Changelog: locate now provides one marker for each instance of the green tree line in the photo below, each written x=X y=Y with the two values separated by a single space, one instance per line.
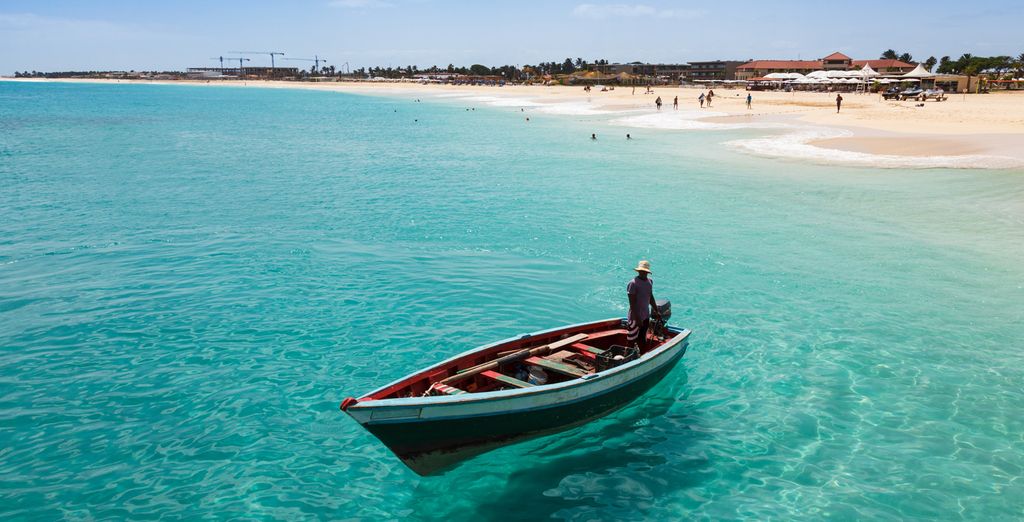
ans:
x=967 y=64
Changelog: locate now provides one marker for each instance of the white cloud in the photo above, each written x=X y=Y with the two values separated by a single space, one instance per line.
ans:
x=682 y=14
x=361 y=4
x=605 y=11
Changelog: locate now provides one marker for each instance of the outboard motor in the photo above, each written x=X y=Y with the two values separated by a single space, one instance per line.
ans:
x=660 y=328
x=664 y=308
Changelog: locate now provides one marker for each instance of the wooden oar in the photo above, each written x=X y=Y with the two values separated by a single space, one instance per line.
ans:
x=521 y=354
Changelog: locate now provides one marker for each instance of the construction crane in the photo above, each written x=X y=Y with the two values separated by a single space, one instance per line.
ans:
x=316 y=59
x=271 y=53
x=241 y=68
x=221 y=58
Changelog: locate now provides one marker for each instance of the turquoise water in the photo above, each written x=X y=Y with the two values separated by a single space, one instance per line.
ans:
x=192 y=279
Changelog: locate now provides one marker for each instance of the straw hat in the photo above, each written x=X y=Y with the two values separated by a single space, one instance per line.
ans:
x=643 y=266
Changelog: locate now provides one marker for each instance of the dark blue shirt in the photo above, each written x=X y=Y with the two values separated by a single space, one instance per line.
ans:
x=642 y=290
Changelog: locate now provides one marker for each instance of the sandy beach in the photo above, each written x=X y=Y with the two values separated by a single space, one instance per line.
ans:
x=963 y=131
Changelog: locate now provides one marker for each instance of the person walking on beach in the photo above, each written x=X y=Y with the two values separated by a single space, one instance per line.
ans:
x=749 y=99
x=701 y=100
x=675 y=103
x=711 y=94
x=658 y=102
x=839 y=102
x=640 y=292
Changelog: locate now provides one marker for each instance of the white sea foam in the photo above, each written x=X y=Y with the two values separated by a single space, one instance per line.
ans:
x=559 y=108
x=500 y=101
x=689 y=120
x=798 y=145
x=572 y=109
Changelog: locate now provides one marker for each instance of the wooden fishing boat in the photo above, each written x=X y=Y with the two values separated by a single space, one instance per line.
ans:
x=515 y=389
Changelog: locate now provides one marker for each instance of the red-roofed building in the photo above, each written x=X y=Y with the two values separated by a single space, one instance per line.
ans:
x=837 y=56
x=885 y=66
x=836 y=62
x=759 y=68
x=832 y=62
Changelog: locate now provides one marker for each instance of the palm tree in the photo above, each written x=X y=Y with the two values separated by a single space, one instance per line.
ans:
x=945 y=65
x=964 y=61
x=970 y=70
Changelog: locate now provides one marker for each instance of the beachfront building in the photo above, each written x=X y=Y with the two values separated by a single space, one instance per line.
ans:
x=832 y=62
x=762 y=68
x=885 y=66
x=952 y=83
x=672 y=71
x=613 y=68
x=716 y=70
x=836 y=62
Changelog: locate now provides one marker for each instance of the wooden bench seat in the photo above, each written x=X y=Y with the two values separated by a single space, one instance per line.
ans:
x=445 y=389
x=607 y=333
x=588 y=349
x=505 y=379
x=558 y=367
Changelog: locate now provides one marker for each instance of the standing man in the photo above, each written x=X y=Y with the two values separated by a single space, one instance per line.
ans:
x=839 y=102
x=641 y=303
x=658 y=102
x=749 y=99
x=675 y=103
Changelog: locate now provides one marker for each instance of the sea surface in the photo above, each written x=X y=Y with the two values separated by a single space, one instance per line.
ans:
x=193 y=278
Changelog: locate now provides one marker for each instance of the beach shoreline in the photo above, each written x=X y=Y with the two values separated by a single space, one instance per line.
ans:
x=975 y=131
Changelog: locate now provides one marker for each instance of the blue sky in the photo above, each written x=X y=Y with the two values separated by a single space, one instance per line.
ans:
x=121 y=34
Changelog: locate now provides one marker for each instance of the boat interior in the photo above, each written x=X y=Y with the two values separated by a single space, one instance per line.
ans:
x=532 y=360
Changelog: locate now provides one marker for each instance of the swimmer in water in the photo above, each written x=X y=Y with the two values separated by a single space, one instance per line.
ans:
x=628 y=137
x=593 y=136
